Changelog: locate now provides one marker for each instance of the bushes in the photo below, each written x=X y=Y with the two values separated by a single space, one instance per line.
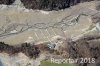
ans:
x=27 y=49
x=85 y=47
x=50 y=4
x=45 y=4
x=7 y=2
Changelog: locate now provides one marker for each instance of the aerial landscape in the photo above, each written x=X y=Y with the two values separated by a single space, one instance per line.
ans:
x=49 y=32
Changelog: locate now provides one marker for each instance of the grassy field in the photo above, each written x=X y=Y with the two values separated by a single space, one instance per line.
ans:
x=45 y=63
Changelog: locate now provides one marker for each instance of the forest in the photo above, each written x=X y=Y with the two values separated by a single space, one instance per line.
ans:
x=45 y=4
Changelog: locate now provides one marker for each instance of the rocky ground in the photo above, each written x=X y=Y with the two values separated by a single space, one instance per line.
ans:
x=26 y=33
x=18 y=21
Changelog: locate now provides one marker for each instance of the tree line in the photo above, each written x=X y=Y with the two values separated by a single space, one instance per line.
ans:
x=26 y=48
x=45 y=4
